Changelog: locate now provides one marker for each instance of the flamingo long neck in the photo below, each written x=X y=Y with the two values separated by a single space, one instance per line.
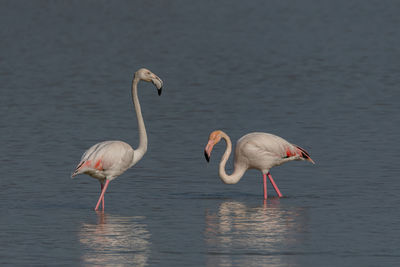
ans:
x=142 y=148
x=239 y=169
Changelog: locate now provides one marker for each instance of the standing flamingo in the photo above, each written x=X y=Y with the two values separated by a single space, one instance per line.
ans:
x=260 y=151
x=109 y=159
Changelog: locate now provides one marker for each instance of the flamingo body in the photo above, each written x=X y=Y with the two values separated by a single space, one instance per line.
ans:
x=262 y=151
x=106 y=160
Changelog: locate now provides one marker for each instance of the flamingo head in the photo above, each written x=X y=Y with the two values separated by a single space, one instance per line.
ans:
x=214 y=138
x=147 y=76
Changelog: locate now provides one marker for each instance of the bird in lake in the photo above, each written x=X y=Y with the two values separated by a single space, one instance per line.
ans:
x=107 y=160
x=260 y=151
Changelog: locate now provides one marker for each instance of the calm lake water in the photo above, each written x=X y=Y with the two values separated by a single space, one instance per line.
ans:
x=321 y=74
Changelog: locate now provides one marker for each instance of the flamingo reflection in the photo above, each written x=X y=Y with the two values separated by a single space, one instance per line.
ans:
x=253 y=236
x=115 y=240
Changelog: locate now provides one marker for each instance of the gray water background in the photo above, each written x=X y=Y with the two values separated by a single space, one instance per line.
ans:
x=321 y=74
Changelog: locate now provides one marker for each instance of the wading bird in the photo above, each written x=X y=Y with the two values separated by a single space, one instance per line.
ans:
x=260 y=151
x=107 y=160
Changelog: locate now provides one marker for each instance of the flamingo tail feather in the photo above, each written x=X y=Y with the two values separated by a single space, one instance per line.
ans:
x=304 y=154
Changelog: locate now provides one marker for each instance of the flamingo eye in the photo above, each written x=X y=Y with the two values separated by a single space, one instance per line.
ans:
x=148 y=72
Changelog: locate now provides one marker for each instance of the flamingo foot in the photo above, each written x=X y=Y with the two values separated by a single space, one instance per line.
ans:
x=274 y=185
x=103 y=191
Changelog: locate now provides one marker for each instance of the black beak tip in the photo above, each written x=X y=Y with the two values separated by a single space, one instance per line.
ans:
x=207 y=157
x=159 y=91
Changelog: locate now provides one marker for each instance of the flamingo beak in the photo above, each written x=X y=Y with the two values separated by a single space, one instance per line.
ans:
x=158 y=83
x=207 y=156
x=208 y=149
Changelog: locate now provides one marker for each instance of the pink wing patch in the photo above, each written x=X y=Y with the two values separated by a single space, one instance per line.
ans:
x=99 y=165
x=289 y=153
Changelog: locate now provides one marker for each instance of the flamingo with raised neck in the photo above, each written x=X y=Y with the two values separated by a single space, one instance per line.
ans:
x=107 y=160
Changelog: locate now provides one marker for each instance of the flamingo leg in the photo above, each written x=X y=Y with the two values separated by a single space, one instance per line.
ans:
x=102 y=200
x=102 y=195
x=265 y=186
x=274 y=185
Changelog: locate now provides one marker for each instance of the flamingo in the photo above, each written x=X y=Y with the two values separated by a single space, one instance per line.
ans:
x=260 y=151
x=107 y=160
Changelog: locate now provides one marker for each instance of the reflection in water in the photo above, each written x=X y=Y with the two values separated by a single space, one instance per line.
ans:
x=115 y=240
x=253 y=236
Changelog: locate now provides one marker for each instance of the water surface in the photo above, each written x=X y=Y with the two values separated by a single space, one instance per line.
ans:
x=323 y=75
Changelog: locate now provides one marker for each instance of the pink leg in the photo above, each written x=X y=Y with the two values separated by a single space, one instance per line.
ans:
x=102 y=200
x=102 y=204
x=102 y=195
x=265 y=186
x=274 y=185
